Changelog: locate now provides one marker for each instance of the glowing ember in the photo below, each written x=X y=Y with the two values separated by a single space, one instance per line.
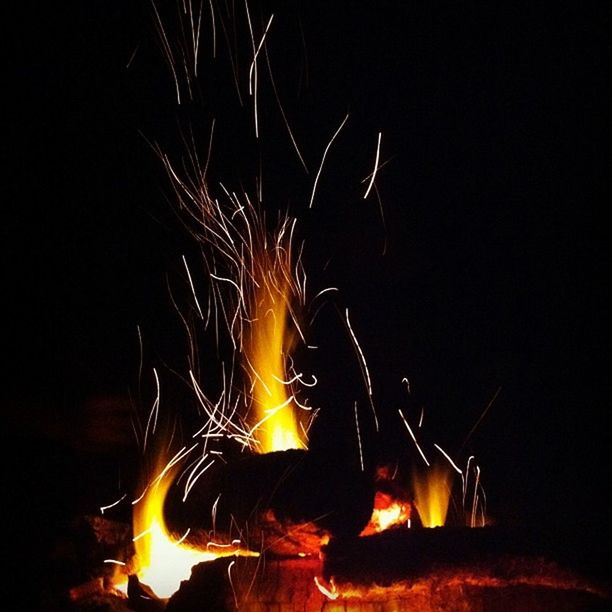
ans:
x=388 y=512
x=432 y=491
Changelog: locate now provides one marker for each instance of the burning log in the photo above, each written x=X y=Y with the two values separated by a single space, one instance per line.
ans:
x=142 y=598
x=250 y=584
x=405 y=569
x=296 y=487
x=489 y=556
x=426 y=570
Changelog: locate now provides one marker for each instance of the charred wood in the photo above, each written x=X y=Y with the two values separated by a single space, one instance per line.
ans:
x=297 y=486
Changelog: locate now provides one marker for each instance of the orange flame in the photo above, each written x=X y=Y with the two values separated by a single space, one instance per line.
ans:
x=432 y=491
x=387 y=512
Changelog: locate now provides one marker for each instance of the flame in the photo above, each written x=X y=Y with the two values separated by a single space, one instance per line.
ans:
x=161 y=561
x=388 y=512
x=432 y=490
x=269 y=344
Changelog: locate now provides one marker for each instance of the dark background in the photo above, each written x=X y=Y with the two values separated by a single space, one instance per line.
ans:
x=494 y=272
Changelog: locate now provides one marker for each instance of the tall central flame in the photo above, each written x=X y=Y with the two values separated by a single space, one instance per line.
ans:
x=268 y=347
x=258 y=287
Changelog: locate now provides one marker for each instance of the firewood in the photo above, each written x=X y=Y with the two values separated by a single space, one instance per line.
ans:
x=408 y=554
x=298 y=486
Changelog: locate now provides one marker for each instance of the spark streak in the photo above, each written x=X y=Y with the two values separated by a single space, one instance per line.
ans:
x=449 y=459
x=167 y=51
x=375 y=167
x=413 y=437
x=475 y=499
x=231 y=581
x=363 y=364
x=193 y=292
x=214 y=29
x=359 y=439
x=329 y=144
x=104 y=508
x=153 y=414
x=284 y=116
x=253 y=73
x=329 y=593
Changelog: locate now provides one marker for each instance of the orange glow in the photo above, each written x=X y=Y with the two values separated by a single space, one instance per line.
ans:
x=270 y=342
x=161 y=561
x=388 y=512
x=432 y=490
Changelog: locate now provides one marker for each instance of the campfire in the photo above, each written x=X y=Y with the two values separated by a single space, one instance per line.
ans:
x=241 y=513
x=238 y=508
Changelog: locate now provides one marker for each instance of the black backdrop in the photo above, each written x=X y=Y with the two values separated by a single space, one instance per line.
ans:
x=488 y=270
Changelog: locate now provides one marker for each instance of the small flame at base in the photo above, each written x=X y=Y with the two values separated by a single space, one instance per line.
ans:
x=432 y=492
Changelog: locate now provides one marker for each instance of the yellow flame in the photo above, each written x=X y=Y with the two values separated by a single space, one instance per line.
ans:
x=161 y=561
x=270 y=343
x=432 y=490
x=388 y=517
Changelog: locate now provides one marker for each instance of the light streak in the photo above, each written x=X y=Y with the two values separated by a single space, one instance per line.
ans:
x=323 y=291
x=223 y=422
x=193 y=292
x=329 y=593
x=139 y=498
x=214 y=29
x=213 y=513
x=167 y=50
x=482 y=416
x=193 y=467
x=231 y=581
x=227 y=280
x=270 y=412
x=465 y=480
x=253 y=66
x=114 y=562
x=178 y=457
x=282 y=111
x=413 y=437
x=104 y=508
x=375 y=167
x=142 y=534
x=449 y=459
x=363 y=364
x=297 y=378
x=140 y=354
x=475 y=500
x=253 y=73
x=129 y=63
x=359 y=439
x=196 y=37
x=154 y=412
x=329 y=144
x=183 y=537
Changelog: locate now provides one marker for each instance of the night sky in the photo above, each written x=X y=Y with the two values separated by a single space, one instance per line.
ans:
x=486 y=270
